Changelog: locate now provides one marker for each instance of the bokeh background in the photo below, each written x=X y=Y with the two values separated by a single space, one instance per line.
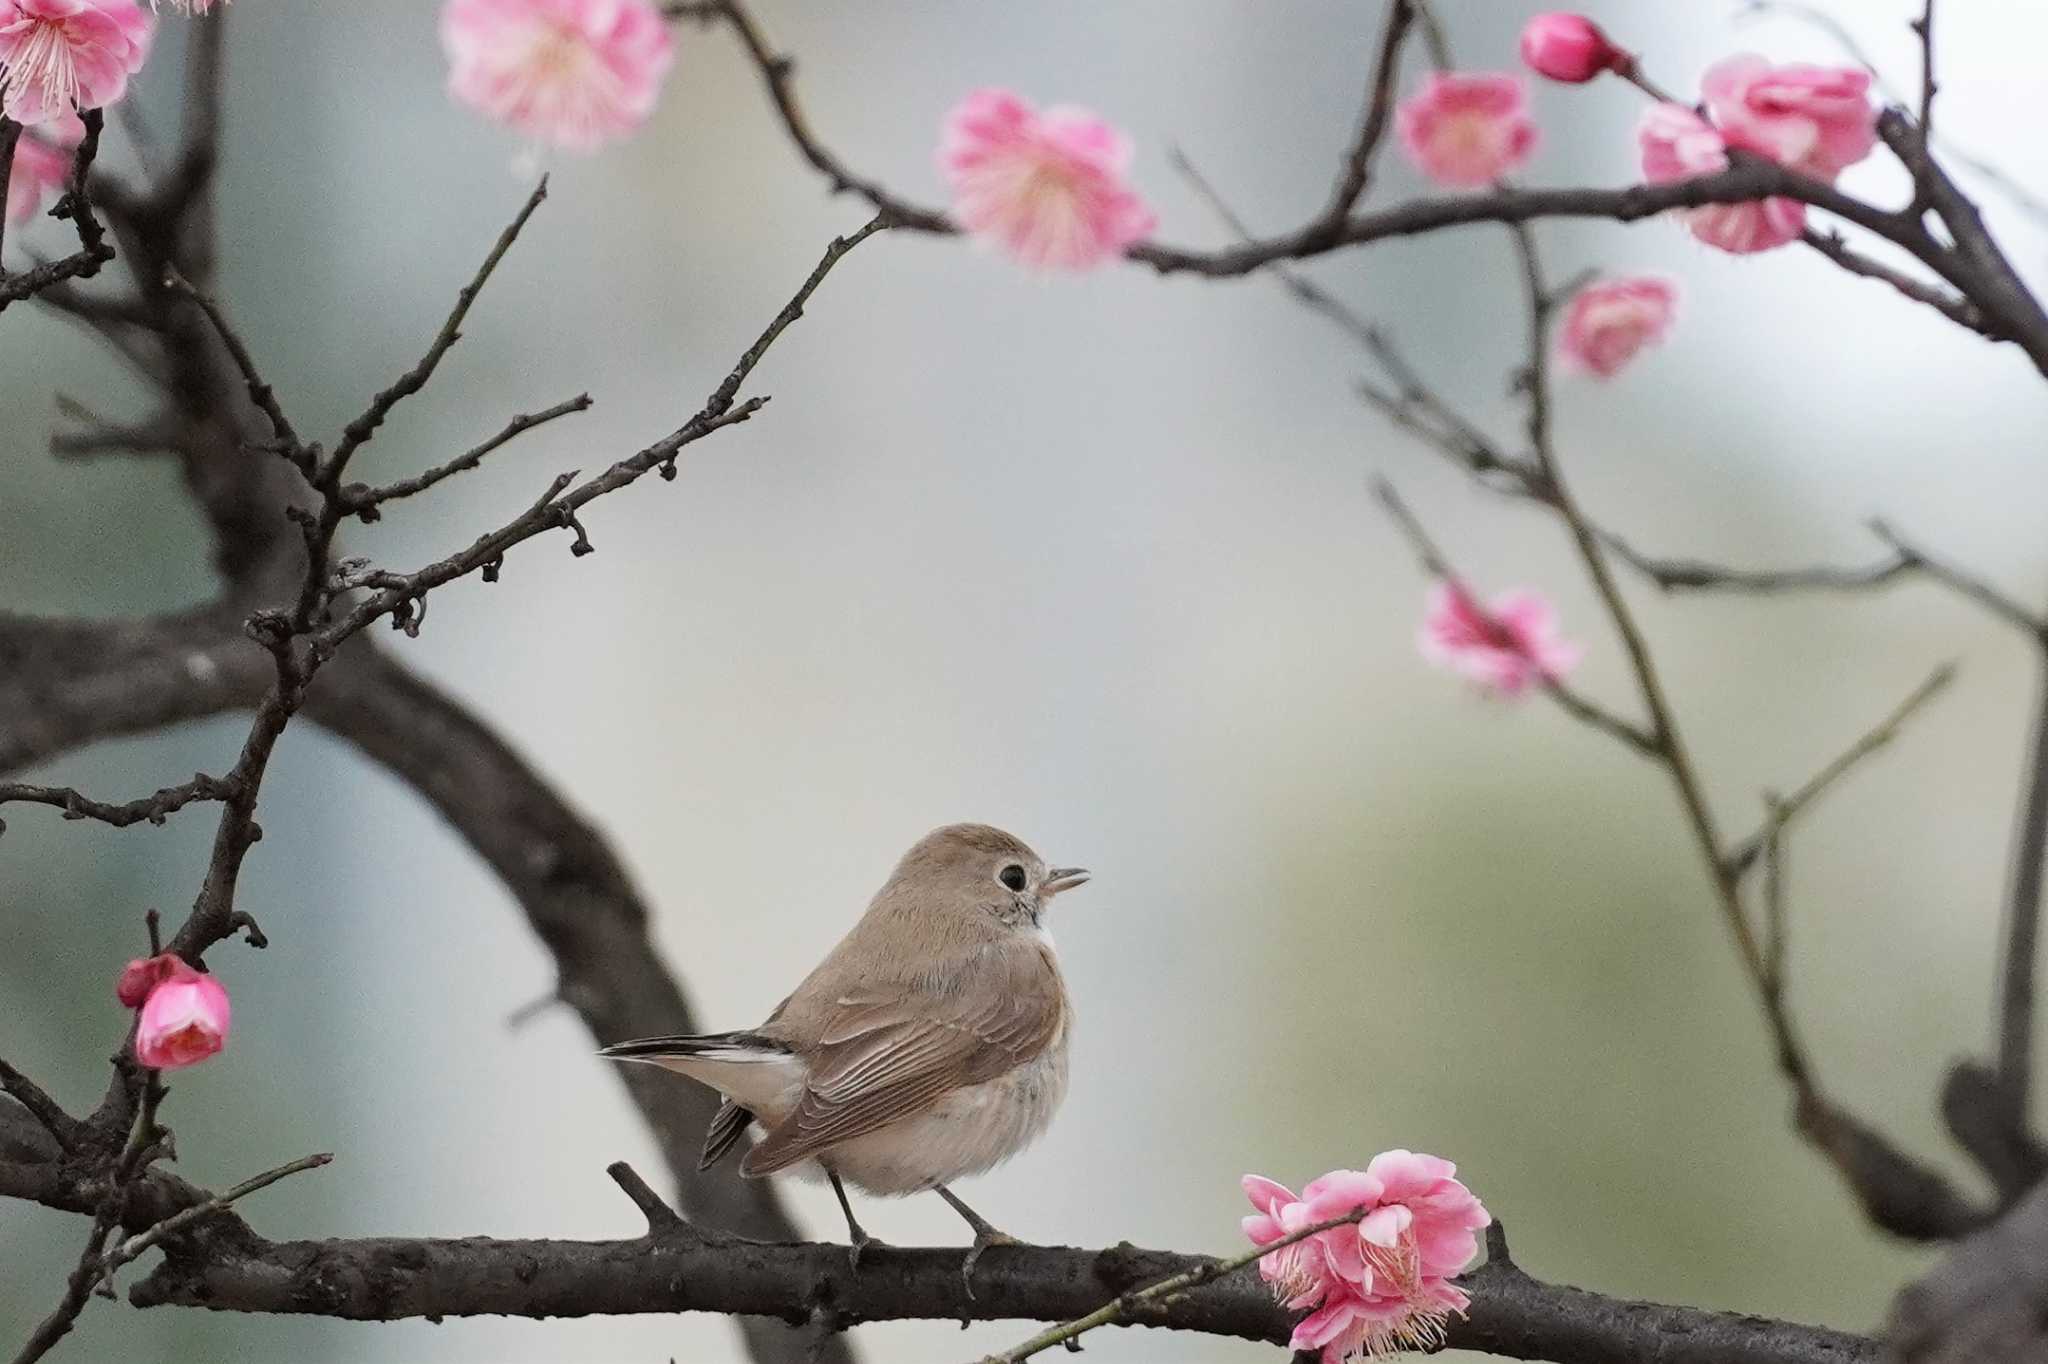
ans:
x=1093 y=559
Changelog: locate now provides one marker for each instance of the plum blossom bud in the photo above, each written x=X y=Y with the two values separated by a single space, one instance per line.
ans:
x=185 y=1013
x=1569 y=48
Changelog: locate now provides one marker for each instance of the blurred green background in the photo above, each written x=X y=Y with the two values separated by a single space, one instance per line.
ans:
x=1094 y=560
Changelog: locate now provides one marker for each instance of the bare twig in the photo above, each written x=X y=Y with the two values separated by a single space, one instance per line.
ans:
x=1121 y=1307
x=359 y=431
x=153 y=808
x=1956 y=308
x=1414 y=406
x=778 y=72
x=1923 y=28
x=10 y=137
x=1784 y=810
x=2021 y=931
x=363 y=501
x=557 y=505
x=1963 y=582
x=92 y=252
x=1356 y=174
x=143 y=1136
x=1699 y=575
x=140 y=1242
x=260 y=392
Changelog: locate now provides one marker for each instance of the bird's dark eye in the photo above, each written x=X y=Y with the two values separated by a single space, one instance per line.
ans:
x=1012 y=876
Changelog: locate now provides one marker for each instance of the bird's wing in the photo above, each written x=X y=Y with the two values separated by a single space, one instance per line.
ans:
x=886 y=1053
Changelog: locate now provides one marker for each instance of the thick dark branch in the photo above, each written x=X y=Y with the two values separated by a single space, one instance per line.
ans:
x=381 y=1280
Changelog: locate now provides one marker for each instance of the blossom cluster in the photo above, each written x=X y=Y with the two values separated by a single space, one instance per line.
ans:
x=1379 y=1284
x=182 y=1015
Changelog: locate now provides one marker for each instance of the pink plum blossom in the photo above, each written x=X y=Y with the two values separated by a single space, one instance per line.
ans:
x=59 y=54
x=185 y=1013
x=573 y=73
x=1677 y=144
x=1467 y=128
x=1569 y=48
x=1610 y=320
x=1507 y=648
x=42 y=164
x=1383 y=1283
x=1049 y=188
x=1817 y=119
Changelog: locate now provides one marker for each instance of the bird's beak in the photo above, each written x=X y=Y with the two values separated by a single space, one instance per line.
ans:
x=1062 y=878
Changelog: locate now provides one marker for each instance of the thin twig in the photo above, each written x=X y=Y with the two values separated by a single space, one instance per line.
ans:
x=135 y=1153
x=2019 y=948
x=178 y=1221
x=1416 y=406
x=260 y=392
x=1117 y=1308
x=362 y=501
x=557 y=506
x=1775 y=930
x=778 y=72
x=1745 y=855
x=153 y=808
x=1699 y=575
x=1963 y=582
x=1923 y=27
x=1356 y=175
x=77 y=205
x=1956 y=308
x=1668 y=744
x=1434 y=564
x=359 y=431
x=10 y=137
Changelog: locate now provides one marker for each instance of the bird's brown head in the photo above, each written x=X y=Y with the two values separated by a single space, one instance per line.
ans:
x=978 y=869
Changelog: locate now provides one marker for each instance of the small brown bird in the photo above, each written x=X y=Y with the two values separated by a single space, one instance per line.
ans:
x=931 y=1044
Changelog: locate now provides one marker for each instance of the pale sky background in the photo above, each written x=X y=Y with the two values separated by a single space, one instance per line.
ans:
x=1093 y=559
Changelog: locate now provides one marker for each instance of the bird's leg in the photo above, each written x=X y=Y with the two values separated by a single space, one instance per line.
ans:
x=985 y=1235
x=861 y=1240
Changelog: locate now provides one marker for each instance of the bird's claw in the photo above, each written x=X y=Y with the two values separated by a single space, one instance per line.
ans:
x=860 y=1244
x=984 y=1237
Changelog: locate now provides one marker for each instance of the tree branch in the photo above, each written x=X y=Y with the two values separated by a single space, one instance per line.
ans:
x=1512 y=1314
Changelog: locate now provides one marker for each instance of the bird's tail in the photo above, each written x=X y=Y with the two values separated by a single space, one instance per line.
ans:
x=741 y=1047
x=756 y=1074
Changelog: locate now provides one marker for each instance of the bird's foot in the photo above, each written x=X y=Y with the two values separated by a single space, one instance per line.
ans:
x=984 y=1237
x=861 y=1241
